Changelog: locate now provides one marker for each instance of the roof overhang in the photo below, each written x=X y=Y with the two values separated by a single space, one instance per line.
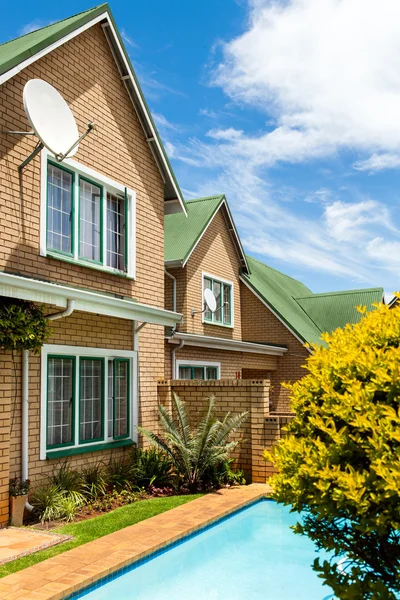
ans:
x=205 y=341
x=44 y=292
x=172 y=195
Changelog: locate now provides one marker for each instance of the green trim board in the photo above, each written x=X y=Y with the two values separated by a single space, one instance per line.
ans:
x=306 y=314
x=89 y=448
x=32 y=45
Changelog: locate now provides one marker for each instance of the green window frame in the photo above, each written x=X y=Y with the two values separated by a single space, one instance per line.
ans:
x=194 y=369
x=101 y=232
x=111 y=236
x=49 y=224
x=223 y=293
x=86 y=403
x=88 y=387
x=72 y=401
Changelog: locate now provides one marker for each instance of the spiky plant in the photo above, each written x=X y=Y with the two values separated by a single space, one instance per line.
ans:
x=194 y=451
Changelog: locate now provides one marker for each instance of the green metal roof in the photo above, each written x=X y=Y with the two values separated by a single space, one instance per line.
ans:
x=182 y=233
x=308 y=315
x=336 y=309
x=16 y=51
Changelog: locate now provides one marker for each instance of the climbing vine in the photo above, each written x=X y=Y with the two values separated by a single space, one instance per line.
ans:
x=23 y=325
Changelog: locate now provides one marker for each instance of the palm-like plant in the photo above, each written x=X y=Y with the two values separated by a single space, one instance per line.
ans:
x=193 y=452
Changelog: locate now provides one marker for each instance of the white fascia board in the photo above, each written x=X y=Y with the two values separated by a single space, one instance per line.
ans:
x=34 y=290
x=204 y=341
x=104 y=16
x=302 y=342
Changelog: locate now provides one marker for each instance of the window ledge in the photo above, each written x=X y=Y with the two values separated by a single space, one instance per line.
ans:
x=205 y=322
x=83 y=263
x=85 y=449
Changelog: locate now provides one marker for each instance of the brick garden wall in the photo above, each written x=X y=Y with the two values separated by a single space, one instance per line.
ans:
x=236 y=396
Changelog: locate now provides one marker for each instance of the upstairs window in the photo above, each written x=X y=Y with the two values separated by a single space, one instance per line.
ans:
x=89 y=220
x=222 y=291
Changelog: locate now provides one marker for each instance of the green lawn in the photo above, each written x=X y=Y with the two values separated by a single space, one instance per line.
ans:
x=91 y=529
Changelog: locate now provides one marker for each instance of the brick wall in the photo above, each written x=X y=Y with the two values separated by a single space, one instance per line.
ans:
x=217 y=255
x=259 y=324
x=232 y=362
x=232 y=395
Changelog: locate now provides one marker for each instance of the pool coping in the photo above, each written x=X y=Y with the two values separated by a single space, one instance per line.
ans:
x=68 y=573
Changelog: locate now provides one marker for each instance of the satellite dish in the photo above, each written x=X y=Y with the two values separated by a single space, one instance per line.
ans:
x=210 y=300
x=51 y=118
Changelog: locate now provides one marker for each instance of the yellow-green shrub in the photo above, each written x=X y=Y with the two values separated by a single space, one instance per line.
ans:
x=340 y=462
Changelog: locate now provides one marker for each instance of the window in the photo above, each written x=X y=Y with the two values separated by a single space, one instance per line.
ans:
x=88 y=398
x=198 y=370
x=87 y=218
x=222 y=291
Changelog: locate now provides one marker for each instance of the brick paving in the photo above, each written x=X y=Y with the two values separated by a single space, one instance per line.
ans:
x=57 y=577
x=18 y=542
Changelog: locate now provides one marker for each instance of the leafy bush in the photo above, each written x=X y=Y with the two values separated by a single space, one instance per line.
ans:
x=340 y=463
x=94 y=480
x=23 y=325
x=223 y=474
x=120 y=473
x=193 y=452
x=152 y=467
x=67 y=479
x=51 y=503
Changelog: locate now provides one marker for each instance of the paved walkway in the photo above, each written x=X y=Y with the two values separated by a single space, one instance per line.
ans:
x=17 y=542
x=57 y=577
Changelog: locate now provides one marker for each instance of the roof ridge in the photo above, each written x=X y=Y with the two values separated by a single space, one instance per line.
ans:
x=204 y=198
x=280 y=272
x=339 y=293
x=19 y=37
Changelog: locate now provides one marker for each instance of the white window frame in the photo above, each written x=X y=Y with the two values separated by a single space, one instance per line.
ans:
x=222 y=280
x=83 y=351
x=108 y=185
x=198 y=363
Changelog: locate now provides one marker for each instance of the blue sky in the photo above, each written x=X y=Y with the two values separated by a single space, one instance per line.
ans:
x=291 y=109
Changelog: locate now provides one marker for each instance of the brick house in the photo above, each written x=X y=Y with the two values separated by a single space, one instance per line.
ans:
x=84 y=237
x=265 y=317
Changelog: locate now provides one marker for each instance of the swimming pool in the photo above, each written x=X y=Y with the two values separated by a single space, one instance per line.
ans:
x=252 y=555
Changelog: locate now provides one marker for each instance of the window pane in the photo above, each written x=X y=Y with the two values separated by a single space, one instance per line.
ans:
x=227 y=304
x=60 y=377
x=185 y=373
x=90 y=399
x=198 y=373
x=212 y=373
x=110 y=398
x=207 y=285
x=115 y=232
x=217 y=316
x=89 y=220
x=59 y=209
x=121 y=399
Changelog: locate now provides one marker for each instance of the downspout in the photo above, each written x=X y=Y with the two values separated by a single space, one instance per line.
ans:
x=25 y=397
x=173 y=359
x=174 y=289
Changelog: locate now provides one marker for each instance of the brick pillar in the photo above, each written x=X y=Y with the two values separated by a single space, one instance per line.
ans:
x=5 y=409
x=274 y=431
x=259 y=410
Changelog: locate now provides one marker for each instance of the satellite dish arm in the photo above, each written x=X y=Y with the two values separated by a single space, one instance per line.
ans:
x=90 y=127
x=194 y=311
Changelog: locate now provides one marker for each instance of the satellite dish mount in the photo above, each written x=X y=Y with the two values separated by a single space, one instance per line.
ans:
x=210 y=303
x=52 y=122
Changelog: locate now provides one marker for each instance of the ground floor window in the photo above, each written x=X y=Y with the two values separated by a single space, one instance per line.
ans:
x=197 y=370
x=88 y=397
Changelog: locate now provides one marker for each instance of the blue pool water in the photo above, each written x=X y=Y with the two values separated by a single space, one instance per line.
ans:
x=253 y=555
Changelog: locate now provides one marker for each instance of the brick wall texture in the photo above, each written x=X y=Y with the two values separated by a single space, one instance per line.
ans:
x=84 y=72
x=236 y=396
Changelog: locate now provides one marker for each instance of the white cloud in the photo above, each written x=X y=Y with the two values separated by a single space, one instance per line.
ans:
x=163 y=122
x=225 y=134
x=349 y=221
x=378 y=162
x=328 y=71
x=128 y=40
x=33 y=26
